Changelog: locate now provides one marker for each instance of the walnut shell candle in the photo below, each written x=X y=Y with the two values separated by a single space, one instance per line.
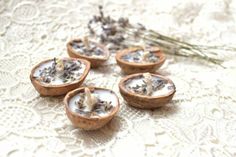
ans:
x=91 y=108
x=95 y=53
x=55 y=77
x=137 y=59
x=147 y=91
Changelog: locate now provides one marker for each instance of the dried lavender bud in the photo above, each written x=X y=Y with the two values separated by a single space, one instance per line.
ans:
x=123 y=22
x=47 y=80
x=100 y=7
x=96 y=19
x=158 y=84
x=109 y=29
x=103 y=38
x=101 y=10
x=141 y=26
x=120 y=38
x=80 y=102
x=108 y=19
x=108 y=106
x=91 y=31
x=54 y=61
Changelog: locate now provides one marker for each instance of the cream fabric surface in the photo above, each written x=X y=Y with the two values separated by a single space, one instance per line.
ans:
x=199 y=122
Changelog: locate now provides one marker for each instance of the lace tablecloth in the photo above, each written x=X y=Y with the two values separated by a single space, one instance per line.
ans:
x=200 y=121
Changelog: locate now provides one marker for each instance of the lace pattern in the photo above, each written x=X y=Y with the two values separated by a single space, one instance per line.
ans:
x=200 y=121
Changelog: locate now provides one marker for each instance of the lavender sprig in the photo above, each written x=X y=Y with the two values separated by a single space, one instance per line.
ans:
x=118 y=34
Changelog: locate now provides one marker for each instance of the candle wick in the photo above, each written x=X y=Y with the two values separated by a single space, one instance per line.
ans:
x=148 y=80
x=59 y=65
x=145 y=53
x=90 y=100
x=145 y=56
x=86 y=42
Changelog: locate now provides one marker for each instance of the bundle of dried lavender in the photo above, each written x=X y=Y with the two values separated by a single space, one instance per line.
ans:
x=118 y=34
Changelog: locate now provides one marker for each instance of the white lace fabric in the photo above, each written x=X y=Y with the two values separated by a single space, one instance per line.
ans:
x=200 y=121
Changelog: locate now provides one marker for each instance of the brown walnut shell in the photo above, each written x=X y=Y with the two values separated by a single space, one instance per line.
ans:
x=56 y=90
x=131 y=67
x=144 y=101
x=88 y=123
x=95 y=61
